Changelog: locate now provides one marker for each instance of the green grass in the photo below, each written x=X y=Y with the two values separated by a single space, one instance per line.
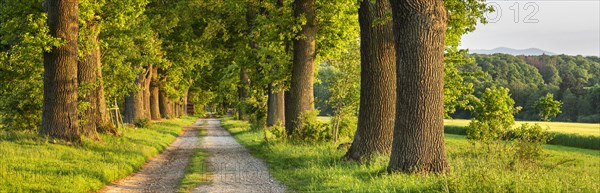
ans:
x=195 y=172
x=29 y=164
x=592 y=129
x=317 y=167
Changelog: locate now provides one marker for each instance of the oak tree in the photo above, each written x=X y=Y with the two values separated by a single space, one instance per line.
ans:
x=59 y=112
x=418 y=145
x=378 y=82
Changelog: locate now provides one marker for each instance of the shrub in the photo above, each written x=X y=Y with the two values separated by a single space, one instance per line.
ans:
x=529 y=141
x=493 y=115
x=256 y=112
x=276 y=133
x=310 y=129
x=258 y=119
x=343 y=127
x=142 y=123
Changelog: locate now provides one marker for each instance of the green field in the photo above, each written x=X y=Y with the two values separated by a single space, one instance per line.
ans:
x=559 y=127
x=317 y=167
x=29 y=163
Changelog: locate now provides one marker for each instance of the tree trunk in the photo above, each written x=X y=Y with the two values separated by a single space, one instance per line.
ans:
x=165 y=105
x=176 y=109
x=378 y=83
x=133 y=107
x=146 y=91
x=184 y=103
x=270 y=106
x=301 y=91
x=154 y=92
x=243 y=91
x=286 y=107
x=275 y=107
x=59 y=112
x=418 y=144
x=102 y=108
x=135 y=102
x=87 y=75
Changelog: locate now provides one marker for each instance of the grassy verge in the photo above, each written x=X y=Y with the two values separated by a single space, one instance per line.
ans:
x=195 y=172
x=317 y=167
x=30 y=164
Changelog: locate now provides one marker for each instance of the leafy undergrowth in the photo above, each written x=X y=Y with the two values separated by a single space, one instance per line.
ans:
x=195 y=172
x=317 y=167
x=29 y=164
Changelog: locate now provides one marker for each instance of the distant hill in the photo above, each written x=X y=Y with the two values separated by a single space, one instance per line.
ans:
x=511 y=51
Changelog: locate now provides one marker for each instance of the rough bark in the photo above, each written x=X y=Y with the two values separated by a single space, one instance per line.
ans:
x=176 y=109
x=243 y=92
x=378 y=83
x=301 y=91
x=87 y=78
x=286 y=108
x=59 y=112
x=165 y=105
x=102 y=107
x=146 y=91
x=418 y=144
x=184 y=103
x=133 y=107
x=135 y=102
x=154 y=98
x=275 y=106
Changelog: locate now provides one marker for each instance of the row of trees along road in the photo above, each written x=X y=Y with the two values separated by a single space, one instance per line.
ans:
x=258 y=56
x=95 y=54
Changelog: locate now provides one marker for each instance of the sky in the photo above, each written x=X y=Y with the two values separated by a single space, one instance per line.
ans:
x=559 y=26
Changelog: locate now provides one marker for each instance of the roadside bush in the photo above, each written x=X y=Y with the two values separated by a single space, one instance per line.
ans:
x=343 y=127
x=275 y=133
x=258 y=120
x=310 y=129
x=142 y=123
x=256 y=112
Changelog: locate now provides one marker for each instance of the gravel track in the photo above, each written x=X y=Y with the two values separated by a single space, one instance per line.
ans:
x=163 y=172
x=231 y=166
